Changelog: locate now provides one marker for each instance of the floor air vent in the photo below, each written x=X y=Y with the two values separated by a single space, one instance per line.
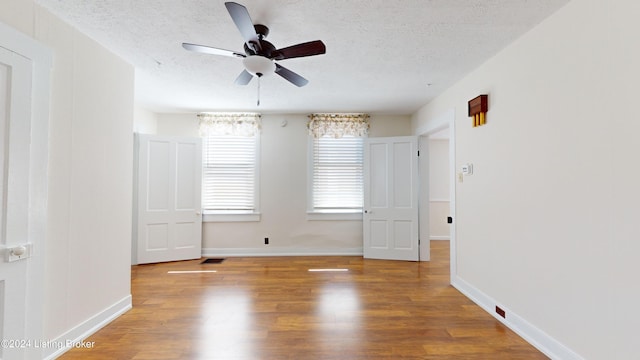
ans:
x=212 y=261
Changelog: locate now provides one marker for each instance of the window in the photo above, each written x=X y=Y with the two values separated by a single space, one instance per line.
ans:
x=230 y=168
x=337 y=174
x=336 y=159
x=229 y=173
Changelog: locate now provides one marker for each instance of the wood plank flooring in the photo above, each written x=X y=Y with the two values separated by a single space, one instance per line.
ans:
x=274 y=308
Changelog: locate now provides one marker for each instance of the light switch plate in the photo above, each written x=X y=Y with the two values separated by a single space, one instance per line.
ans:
x=467 y=169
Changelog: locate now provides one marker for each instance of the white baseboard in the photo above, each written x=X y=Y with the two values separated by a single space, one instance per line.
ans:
x=76 y=335
x=536 y=337
x=280 y=251
x=446 y=237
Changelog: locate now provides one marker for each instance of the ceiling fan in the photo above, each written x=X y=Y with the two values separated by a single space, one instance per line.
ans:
x=260 y=56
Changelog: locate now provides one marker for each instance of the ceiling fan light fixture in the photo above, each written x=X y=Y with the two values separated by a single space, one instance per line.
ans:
x=259 y=65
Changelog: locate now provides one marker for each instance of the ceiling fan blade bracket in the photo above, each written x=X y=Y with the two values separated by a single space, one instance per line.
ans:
x=252 y=47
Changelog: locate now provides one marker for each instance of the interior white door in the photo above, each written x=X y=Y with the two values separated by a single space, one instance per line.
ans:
x=23 y=162
x=390 y=216
x=169 y=226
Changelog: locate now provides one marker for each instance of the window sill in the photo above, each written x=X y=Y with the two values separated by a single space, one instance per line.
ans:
x=231 y=217
x=333 y=216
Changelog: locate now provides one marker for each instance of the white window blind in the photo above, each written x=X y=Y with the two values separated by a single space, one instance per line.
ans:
x=229 y=179
x=337 y=174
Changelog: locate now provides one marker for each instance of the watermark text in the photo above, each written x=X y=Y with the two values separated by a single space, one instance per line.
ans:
x=45 y=344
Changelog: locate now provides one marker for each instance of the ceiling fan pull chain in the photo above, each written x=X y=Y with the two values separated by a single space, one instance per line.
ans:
x=258 y=104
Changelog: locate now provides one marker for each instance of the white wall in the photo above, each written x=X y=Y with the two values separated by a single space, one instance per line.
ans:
x=90 y=175
x=144 y=121
x=178 y=125
x=548 y=224
x=283 y=192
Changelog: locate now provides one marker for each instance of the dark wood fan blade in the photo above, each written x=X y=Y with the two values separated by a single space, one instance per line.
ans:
x=244 y=78
x=243 y=22
x=305 y=49
x=290 y=76
x=211 y=50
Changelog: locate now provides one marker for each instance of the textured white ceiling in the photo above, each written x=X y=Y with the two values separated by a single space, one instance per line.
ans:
x=381 y=54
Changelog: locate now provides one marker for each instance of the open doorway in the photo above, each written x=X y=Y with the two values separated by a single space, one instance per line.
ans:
x=437 y=185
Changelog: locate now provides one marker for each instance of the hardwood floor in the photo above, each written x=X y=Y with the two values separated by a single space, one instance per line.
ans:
x=274 y=308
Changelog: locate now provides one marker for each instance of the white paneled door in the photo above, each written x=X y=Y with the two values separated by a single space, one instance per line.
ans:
x=169 y=225
x=390 y=216
x=24 y=89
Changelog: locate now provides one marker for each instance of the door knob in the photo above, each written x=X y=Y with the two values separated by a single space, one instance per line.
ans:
x=18 y=250
x=198 y=213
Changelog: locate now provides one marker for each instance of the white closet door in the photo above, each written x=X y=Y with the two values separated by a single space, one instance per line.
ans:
x=169 y=198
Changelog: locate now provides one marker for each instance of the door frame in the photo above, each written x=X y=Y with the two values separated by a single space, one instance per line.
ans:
x=441 y=122
x=42 y=60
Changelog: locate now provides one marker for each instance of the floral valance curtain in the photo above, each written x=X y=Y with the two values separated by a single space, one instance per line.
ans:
x=229 y=124
x=338 y=125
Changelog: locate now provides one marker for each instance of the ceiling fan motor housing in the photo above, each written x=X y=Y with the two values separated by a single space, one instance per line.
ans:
x=265 y=49
x=259 y=46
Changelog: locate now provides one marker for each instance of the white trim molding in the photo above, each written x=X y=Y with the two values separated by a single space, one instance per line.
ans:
x=249 y=217
x=79 y=333
x=439 y=238
x=280 y=251
x=446 y=120
x=534 y=336
x=333 y=216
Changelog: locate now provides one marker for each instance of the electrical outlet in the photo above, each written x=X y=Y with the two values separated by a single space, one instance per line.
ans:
x=266 y=241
